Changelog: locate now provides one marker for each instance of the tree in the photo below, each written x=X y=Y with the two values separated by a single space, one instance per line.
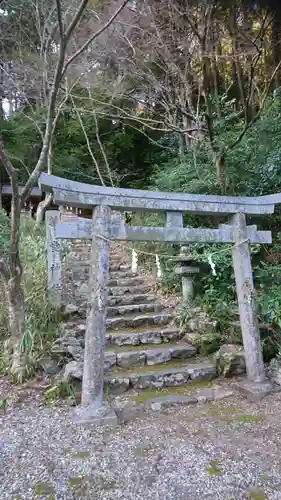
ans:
x=65 y=21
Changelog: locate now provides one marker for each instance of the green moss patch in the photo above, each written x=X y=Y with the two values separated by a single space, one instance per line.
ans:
x=213 y=469
x=158 y=367
x=186 y=389
x=256 y=495
x=44 y=489
x=79 y=482
x=80 y=454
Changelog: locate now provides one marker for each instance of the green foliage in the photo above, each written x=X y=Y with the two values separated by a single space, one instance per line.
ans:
x=41 y=320
x=62 y=389
x=4 y=233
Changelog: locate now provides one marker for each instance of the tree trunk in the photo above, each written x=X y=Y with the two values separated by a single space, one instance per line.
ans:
x=42 y=207
x=15 y=300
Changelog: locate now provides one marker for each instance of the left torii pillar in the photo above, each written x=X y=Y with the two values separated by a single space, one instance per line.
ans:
x=93 y=409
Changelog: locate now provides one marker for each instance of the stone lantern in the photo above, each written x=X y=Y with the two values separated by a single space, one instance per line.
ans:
x=187 y=268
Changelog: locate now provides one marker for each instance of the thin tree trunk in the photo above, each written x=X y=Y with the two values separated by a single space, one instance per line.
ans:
x=15 y=300
x=42 y=207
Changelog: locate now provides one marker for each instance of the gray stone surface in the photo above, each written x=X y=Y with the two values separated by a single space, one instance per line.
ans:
x=128 y=299
x=247 y=299
x=146 y=379
x=150 y=337
x=200 y=322
x=73 y=370
x=137 y=321
x=212 y=394
x=89 y=415
x=74 y=348
x=163 y=402
x=118 y=291
x=230 y=360
x=49 y=366
x=274 y=371
x=82 y=230
x=156 y=356
x=131 y=358
x=171 y=334
x=125 y=339
x=109 y=360
x=120 y=310
x=117 y=385
x=75 y=193
x=202 y=371
x=53 y=258
x=182 y=351
x=71 y=309
x=256 y=391
x=93 y=373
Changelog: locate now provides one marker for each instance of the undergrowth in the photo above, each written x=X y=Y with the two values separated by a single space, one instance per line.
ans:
x=41 y=319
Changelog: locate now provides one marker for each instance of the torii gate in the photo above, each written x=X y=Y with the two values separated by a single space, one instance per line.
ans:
x=107 y=226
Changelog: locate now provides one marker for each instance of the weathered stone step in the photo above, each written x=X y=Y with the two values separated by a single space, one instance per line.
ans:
x=138 y=356
x=128 y=299
x=166 y=375
x=143 y=336
x=151 y=355
x=128 y=282
x=163 y=375
x=132 y=290
x=115 y=266
x=122 y=274
x=154 y=335
x=136 y=321
x=120 y=310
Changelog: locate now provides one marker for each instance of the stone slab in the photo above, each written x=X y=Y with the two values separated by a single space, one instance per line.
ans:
x=81 y=195
x=88 y=415
x=256 y=391
x=164 y=402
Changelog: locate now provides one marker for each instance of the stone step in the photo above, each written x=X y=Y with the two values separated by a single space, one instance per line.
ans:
x=121 y=310
x=143 y=336
x=151 y=355
x=136 y=321
x=117 y=291
x=122 y=274
x=166 y=375
x=129 y=299
x=114 y=267
x=169 y=374
x=129 y=282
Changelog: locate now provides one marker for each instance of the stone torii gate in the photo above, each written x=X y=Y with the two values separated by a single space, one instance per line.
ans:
x=108 y=225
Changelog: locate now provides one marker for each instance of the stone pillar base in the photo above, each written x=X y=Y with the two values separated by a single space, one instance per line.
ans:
x=103 y=416
x=255 y=391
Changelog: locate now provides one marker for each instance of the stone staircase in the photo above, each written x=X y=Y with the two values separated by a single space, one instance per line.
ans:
x=143 y=348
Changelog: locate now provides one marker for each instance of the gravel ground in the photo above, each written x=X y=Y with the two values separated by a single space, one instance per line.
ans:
x=223 y=450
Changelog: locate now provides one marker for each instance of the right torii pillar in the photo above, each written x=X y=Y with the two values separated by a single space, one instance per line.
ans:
x=256 y=385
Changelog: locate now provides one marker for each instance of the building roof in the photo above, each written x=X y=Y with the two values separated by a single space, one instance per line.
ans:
x=7 y=191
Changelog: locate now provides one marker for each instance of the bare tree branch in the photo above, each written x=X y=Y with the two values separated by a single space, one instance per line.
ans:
x=94 y=36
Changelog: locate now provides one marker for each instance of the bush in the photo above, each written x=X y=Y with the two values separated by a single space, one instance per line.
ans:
x=41 y=319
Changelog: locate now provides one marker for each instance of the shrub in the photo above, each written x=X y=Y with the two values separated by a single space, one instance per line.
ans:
x=41 y=320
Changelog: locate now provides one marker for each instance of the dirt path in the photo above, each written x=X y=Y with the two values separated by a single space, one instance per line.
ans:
x=222 y=450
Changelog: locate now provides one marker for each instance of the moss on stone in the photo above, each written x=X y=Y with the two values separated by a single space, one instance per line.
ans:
x=213 y=469
x=185 y=389
x=158 y=367
x=257 y=495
